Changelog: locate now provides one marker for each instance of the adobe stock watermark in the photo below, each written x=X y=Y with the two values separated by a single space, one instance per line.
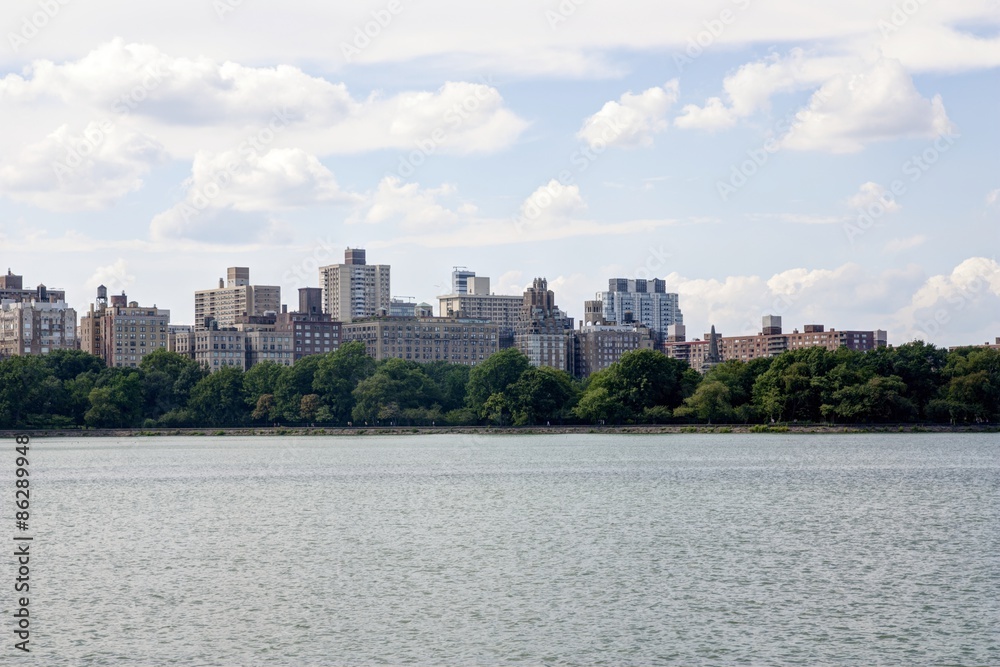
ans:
x=966 y=298
x=249 y=152
x=714 y=29
x=370 y=30
x=451 y=120
x=33 y=24
x=901 y=14
x=562 y=12
x=225 y=7
x=914 y=167
x=324 y=252
x=581 y=160
x=742 y=172
x=656 y=260
x=97 y=132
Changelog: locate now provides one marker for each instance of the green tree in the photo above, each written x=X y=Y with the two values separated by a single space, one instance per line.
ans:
x=541 y=395
x=641 y=379
x=338 y=374
x=396 y=386
x=494 y=376
x=710 y=403
x=116 y=400
x=219 y=399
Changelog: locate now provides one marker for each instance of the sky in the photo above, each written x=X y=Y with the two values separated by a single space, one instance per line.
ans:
x=832 y=163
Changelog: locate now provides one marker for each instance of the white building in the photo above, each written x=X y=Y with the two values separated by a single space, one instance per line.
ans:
x=644 y=301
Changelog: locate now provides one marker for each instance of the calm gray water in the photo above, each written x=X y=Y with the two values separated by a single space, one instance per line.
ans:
x=680 y=549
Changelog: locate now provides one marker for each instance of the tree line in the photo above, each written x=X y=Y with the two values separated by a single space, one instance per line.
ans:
x=915 y=382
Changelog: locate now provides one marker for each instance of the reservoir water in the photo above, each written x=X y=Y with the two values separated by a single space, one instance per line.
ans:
x=562 y=549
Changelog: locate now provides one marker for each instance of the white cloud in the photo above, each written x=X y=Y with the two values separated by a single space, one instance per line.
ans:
x=992 y=197
x=411 y=207
x=199 y=104
x=855 y=109
x=847 y=297
x=751 y=87
x=633 y=120
x=278 y=180
x=872 y=194
x=116 y=277
x=89 y=170
x=514 y=36
x=965 y=300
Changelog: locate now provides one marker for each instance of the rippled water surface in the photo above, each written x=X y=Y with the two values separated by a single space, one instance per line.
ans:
x=563 y=549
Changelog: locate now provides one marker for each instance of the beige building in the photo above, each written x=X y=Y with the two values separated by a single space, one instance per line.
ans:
x=477 y=302
x=122 y=332
x=234 y=298
x=600 y=345
x=355 y=289
x=424 y=339
x=36 y=327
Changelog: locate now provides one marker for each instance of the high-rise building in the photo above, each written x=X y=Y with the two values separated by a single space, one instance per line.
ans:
x=643 y=301
x=544 y=332
x=36 y=327
x=477 y=302
x=122 y=332
x=456 y=340
x=234 y=298
x=355 y=289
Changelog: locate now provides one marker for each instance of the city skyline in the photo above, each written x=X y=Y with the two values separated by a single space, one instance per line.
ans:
x=837 y=166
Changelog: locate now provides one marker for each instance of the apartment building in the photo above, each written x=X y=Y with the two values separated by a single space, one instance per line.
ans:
x=36 y=327
x=597 y=346
x=425 y=339
x=478 y=302
x=355 y=289
x=121 y=331
x=770 y=342
x=235 y=297
x=644 y=301
x=544 y=332
x=12 y=289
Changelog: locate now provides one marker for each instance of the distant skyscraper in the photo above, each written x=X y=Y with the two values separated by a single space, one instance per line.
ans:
x=643 y=301
x=355 y=288
x=460 y=280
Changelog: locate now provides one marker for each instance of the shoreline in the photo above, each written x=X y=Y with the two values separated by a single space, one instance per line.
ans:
x=639 y=429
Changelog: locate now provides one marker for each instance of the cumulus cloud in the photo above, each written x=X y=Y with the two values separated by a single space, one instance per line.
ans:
x=88 y=170
x=872 y=194
x=116 y=277
x=846 y=297
x=855 y=109
x=964 y=300
x=161 y=105
x=751 y=87
x=236 y=182
x=633 y=120
x=413 y=208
